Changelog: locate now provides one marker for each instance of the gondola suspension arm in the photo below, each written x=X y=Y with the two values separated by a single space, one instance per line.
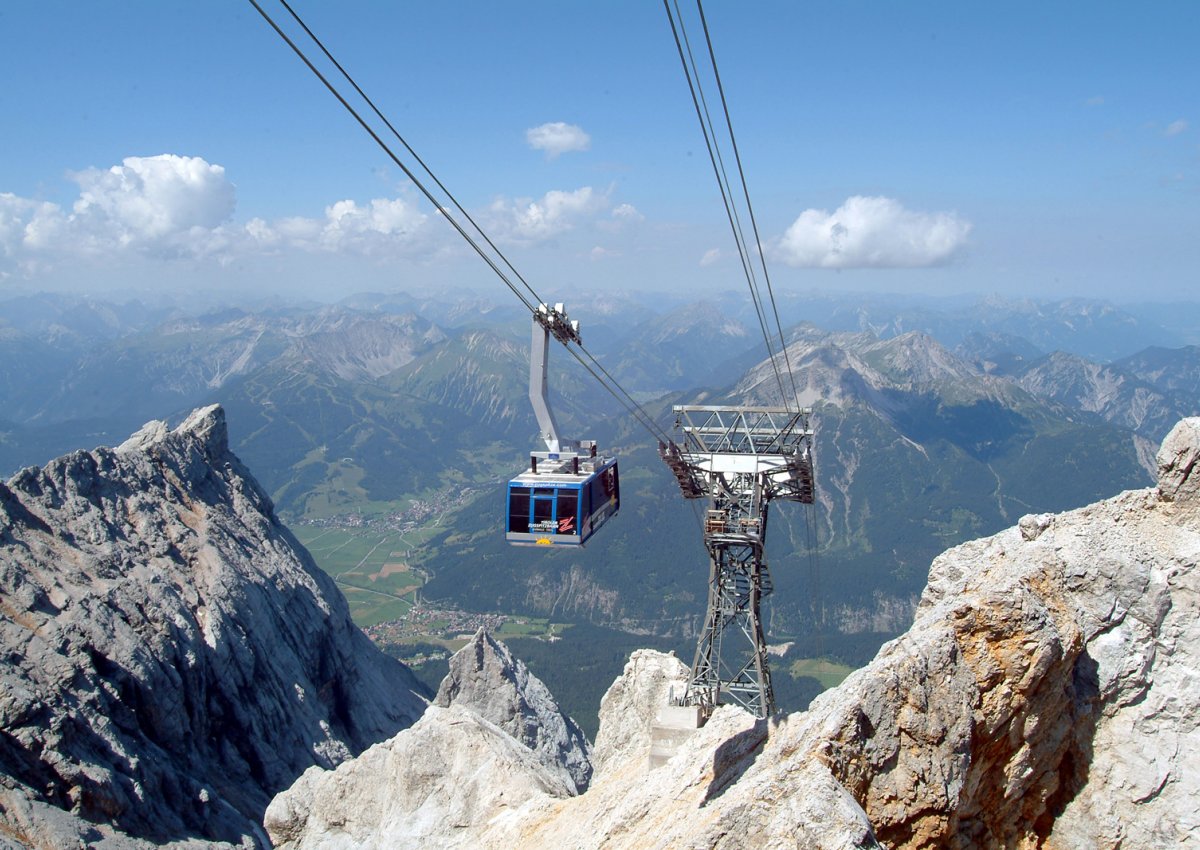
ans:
x=548 y=321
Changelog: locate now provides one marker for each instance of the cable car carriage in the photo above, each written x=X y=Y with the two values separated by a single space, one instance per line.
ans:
x=569 y=490
x=552 y=505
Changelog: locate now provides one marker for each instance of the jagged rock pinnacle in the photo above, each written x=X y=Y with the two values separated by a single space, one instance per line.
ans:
x=493 y=741
x=485 y=678
x=205 y=425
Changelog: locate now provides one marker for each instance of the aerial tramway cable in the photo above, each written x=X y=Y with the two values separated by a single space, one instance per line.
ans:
x=690 y=72
x=708 y=129
x=391 y=155
x=584 y=356
x=317 y=41
x=749 y=206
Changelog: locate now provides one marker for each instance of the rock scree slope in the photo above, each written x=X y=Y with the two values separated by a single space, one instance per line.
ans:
x=172 y=657
x=1045 y=697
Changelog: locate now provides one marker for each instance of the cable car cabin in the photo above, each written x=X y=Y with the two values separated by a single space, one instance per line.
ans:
x=558 y=507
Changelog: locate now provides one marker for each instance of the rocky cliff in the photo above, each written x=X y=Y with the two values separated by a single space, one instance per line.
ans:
x=1045 y=696
x=171 y=656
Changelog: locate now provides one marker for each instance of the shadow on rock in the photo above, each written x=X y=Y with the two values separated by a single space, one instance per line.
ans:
x=1073 y=768
x=734 y=757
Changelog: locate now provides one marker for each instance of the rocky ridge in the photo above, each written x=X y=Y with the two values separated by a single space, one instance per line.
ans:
x=1114 y=395
x=172 y=657
x=1044 y=697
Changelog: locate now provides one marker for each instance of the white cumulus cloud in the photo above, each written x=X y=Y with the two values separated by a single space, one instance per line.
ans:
x=627 y=212
x=159 y=206
x=17 y=215
x=871 y=232
x=371 y=227
x=527 y=220
x=156 y=206
x=150 y=198
x=180 y=207
x=557 y=137
x=172 y=208
x=383 y=226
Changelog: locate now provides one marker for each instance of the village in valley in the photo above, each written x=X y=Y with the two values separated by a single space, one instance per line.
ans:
x=368 y=556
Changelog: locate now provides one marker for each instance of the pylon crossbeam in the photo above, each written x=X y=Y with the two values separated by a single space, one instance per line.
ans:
x=742 y=430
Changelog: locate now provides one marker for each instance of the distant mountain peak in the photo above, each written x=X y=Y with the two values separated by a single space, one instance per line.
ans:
x=916 y=359
x=855 y=367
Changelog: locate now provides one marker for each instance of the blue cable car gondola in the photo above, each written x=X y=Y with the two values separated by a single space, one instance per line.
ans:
x=569 y=491
x=560 y=508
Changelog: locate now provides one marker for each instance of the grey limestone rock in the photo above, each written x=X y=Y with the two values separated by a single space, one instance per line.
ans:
x=485 y=678
x=492 y=740
x=432 y=785
x=171 y=656
x=650 y=680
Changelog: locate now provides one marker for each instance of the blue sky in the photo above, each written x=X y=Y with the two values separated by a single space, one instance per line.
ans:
x=1023 y=148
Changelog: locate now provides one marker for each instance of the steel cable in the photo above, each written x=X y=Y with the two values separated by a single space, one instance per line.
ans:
x=749 y=207
x=691 y=74
x=408 y=147
x=391 y=155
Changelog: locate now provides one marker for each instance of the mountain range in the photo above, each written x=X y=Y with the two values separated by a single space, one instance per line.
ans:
x=935 y=421
x=916 y=450
x=178 y=672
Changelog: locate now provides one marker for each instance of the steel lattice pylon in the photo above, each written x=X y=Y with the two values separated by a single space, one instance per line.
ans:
x=742 y=459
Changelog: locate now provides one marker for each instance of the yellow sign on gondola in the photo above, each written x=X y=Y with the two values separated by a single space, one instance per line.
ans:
x=543 y=541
